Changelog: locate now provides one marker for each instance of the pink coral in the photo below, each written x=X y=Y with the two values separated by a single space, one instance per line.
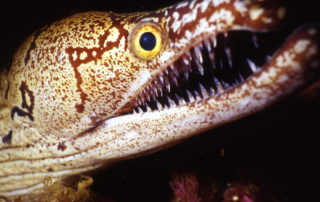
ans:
x=240 y=193
x=185 y=188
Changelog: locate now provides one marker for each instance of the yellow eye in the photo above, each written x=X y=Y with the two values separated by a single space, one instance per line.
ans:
x=147 y=40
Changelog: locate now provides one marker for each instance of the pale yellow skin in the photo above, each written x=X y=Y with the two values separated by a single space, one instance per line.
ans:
x=73 y=80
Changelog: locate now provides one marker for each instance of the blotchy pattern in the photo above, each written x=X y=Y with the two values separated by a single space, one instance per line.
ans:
x=63 y=99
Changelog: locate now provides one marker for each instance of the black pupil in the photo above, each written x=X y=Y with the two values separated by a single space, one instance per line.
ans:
x=147 y=41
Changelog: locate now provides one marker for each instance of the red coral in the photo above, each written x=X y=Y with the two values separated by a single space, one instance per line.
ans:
x=185 y=188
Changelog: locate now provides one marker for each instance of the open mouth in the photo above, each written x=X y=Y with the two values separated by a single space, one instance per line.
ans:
x=208 y=69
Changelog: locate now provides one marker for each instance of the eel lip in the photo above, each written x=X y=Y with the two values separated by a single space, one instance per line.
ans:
x=211 y=68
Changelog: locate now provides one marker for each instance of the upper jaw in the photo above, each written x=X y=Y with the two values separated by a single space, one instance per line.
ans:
x=294 y=65
x=291 y=67
x=191 y=26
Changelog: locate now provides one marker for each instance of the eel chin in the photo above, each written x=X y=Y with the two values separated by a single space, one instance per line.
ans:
x=219 y=64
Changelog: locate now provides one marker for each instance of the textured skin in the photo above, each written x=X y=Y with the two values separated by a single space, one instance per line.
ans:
x=68 y=80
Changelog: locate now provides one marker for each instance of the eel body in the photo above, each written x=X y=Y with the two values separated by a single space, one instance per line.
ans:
x=98 y=87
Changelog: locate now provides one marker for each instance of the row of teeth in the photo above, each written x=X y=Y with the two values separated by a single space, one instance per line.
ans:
x=169 y=79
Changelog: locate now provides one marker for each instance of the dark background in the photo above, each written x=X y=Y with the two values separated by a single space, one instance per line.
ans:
x=277 y=149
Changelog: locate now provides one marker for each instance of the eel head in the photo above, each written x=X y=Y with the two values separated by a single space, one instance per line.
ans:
x=98 y=87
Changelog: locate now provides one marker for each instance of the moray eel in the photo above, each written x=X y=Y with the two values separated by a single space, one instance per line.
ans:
x=98 y=87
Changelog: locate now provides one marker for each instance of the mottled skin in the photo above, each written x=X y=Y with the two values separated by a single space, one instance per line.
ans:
x=61 y=102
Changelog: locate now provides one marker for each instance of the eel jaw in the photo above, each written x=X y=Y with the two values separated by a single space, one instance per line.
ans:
x=205 y=70
x=293 y=66
x=208 y=70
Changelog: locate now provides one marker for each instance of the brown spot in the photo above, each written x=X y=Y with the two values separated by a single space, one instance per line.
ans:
x=92 y=54
x=79 y=108
x=33 y=44
x=7 y=91
x=24 y=89
x=88 y=131
x=62 y=146
x=8 y=138
x=19 y=112
x=50 y=169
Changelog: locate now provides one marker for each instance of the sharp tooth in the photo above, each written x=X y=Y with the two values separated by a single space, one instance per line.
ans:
x=171 y=102
x=174 y=71
x=201 y=70
x=220 y=88
x=161 y=79
x=228 y=53
x=159 y=86
x=204 y=92
x=147 y=90
x=252 y=66
x=142 y=99
x=240 y=78
x=167 y=84
x=214 y=41
x=186 y=75
x=211 y=91
x=140 y=110
x=198 y=54
x=178 y=99
x=196 y=95
x=174 y=80
x=168 y=88
x=166 y=72
x=139 y=102
x=147 y=94
x=225 y=85
x=198 y=59
x=212 y=60
x=165 y=106
x=148 y=98
x=160 y=92
x=218 y=85
x=153 y=96
x=182 y=102
x=255 y=41
x=227 y=49
x=155 y=90
x=159 y=106
x=207 y=45
x=190 y=96
x=148 y=109
x=186 y=62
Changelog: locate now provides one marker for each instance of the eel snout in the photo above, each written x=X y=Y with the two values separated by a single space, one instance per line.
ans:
x=292 y=67
x=221 y=64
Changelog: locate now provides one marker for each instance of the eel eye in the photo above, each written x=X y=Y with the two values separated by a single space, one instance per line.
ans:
x=147 y=40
